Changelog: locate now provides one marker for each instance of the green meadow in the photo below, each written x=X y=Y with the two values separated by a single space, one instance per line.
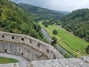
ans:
x=4 y=60
x=73 y=44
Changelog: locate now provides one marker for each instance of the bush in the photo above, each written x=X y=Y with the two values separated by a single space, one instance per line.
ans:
x=87 y=50
x=53 y=40
x=55 y=32
x=66 y=56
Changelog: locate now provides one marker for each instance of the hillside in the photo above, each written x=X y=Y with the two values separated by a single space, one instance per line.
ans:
x=78 y=23
x=13 y=19
x=71 y=43
x=41 y=13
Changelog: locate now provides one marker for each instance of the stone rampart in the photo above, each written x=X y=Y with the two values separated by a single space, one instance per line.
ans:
x=38 y=53
x=68 y=62
x=28 y=47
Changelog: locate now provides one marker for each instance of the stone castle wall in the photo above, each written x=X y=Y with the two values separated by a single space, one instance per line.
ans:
x=37 y=52
x=26 y=46
x=68 y=62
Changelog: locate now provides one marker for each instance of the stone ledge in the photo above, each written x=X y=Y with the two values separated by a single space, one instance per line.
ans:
x=86 y=59
x=71 y=62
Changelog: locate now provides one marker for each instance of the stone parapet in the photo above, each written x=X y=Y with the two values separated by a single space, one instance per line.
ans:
x=27 y=47
x=71 y=62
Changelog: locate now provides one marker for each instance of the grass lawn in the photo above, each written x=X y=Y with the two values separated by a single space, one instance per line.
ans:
x=73 y=44
x=4 y=60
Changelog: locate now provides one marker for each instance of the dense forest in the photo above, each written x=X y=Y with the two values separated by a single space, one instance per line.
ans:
x=78 y=23
x=39 y=13
x=13 y=19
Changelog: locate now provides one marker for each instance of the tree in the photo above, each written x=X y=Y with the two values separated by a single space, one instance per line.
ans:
x=55 y=32
x=87 y=49
x=87 y=37
x=45 y=24
x=37 y=27
x=53 y=40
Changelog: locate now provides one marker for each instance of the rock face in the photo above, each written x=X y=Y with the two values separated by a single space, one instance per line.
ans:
x=39 y=54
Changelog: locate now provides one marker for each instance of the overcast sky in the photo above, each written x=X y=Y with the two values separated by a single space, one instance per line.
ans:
x=61 y=5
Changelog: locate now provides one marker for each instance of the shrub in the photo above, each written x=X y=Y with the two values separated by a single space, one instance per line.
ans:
x=55 y=32
x=53 y=40
x=87 y=50
x=66 y=56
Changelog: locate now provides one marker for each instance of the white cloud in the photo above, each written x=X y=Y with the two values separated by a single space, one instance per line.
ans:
x=62 y=5
x=68 y=5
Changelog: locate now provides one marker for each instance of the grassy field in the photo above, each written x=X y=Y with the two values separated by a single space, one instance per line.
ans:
x=76 y=46
x=4 y=60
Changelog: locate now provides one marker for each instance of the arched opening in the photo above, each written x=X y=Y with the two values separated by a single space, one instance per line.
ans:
x=12 y=37
x=30 y=41
x=38 y=45
x=47 y=51
x=22 y=39
x=3 y=36
x=54 y=57
x=21 y=53
x=5 y=50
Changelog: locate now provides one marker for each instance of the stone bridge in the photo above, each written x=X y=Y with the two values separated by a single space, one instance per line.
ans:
x=38 y=53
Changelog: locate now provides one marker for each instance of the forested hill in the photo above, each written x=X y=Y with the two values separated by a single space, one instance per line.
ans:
x=78 y=23
x=41 y=13
x=14 y=19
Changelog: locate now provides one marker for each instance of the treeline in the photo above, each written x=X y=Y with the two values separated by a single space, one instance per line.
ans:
x=39 y=13
x=13 y=19
x=77 y=22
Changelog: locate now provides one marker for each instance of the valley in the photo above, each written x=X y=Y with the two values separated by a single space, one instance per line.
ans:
x=73 y=44
x=72 y=28
x=37 y=36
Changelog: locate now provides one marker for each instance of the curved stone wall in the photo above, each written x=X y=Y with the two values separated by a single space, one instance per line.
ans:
x=26 y=46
